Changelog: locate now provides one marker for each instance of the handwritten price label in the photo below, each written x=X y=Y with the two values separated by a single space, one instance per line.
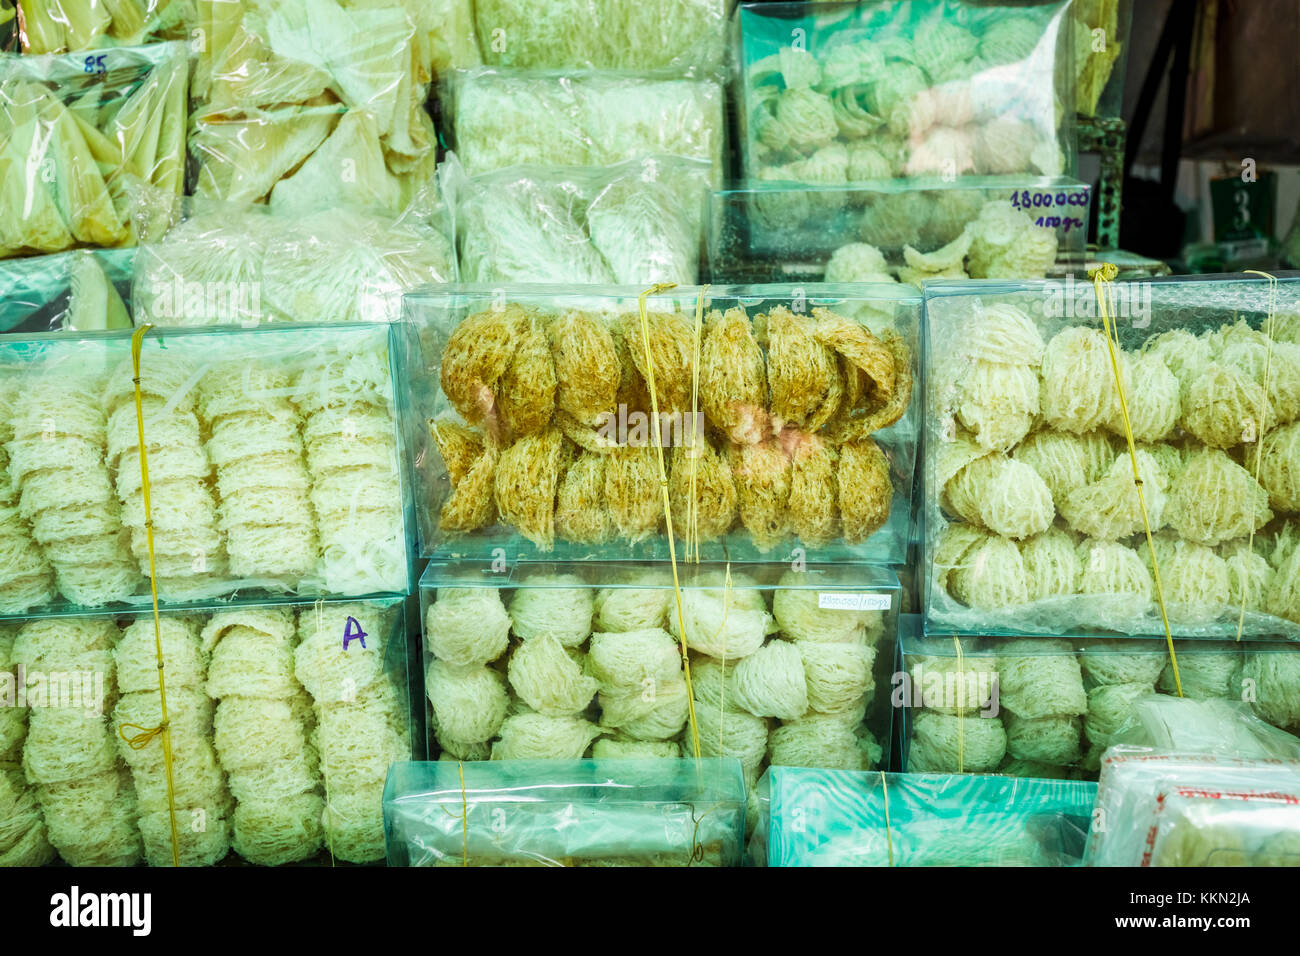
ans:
x=95 y=64
x=838 y=601
x=1060 y=200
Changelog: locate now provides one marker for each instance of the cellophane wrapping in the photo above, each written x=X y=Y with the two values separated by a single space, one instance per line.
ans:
x=575 y=813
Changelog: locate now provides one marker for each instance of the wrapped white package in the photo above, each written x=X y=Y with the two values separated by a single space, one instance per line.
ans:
x=635 y=223
x=512 y=117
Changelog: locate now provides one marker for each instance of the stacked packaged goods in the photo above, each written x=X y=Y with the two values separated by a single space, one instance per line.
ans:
x=1050 y=707
x=768 y=665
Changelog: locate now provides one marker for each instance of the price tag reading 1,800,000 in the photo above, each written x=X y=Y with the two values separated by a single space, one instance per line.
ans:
x=1047 y=201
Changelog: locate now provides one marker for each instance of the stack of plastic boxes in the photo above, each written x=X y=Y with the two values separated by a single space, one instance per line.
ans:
x=276 y=540
x=565 y=616
x=1045 y=599
x=902 y=144
x=585 y=145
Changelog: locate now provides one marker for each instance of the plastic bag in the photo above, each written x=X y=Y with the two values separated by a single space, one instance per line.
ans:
x=923 y=89
x=570 y=813
x=637 y=223
x=62 y=26
x=77 y=130
x=603 y=34
x=84 y=290
x=8 y=24
x=512 y=117
x=1099 y=67
x=1182 y=809
x=224 y=265
x=841 y=818
x=1181 y=725
x=306 y=100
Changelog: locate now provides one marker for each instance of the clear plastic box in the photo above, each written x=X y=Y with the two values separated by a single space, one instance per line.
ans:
x=558 y=660
x=641 y=220
x=842 y=818
x=505 y=117
x=576 y=813
x=1033 y=522
x=284 y=720
x=275 y=462
x=908 y=230
x=861 y=91
x=1043 y=707
x=604 y=34
x=514 y=381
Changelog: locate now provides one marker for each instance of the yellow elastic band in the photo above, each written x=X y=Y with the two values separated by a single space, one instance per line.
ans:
x=889 y=832
x=1101 y=279
x=668 y=514
x=140 y=740
x=1263 y=425
x=961 y=706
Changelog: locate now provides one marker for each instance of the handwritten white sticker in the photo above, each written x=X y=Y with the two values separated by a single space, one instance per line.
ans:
x=843 y=601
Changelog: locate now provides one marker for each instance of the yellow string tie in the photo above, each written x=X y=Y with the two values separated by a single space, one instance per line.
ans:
x=722 y=696
x=961 y=706
x=142 y=739
x=697 y=436
x=697 y=848
x=1263 y=424
x=889 y=831
x=318 y=611
x=663 y=488
x=1101 y=279
x=464 y=816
